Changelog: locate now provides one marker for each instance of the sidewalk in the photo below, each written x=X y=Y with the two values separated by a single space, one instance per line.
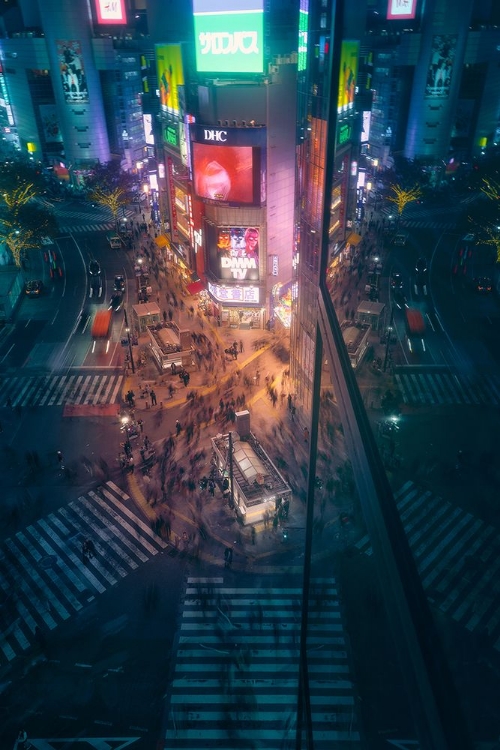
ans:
x=168 y=493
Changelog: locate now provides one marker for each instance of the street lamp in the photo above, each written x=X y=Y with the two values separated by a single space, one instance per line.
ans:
x=127 y=330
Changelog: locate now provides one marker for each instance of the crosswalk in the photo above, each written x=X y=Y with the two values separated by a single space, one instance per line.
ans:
x=57 y=390
x=426 y=386
x=44 y=579
x=236 y=669
x=457 y=556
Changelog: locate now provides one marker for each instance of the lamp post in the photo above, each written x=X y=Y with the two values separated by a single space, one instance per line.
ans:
x=127 y=329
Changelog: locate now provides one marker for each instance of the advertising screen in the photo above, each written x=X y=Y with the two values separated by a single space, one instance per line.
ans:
x=170 y=75
x=401 y=9
x=229 y=36
x=69 y=54
x=348 y=75
x=441 y=65
x=111 y=11
x=237 y=253
x=225 y=173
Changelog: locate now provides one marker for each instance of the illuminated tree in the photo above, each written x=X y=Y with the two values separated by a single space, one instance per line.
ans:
x=401 y=197
x=491 y=189
x=23 y=227
x=113 y=199
x=19 y=196
x=491 y=237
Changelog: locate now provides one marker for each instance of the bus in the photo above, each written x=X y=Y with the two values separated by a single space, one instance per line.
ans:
x=415 y=326
x=101 y=328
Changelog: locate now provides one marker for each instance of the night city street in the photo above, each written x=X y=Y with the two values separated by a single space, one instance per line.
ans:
x=249 y=375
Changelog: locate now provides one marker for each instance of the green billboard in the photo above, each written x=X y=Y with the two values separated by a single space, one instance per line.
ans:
x=229 y=36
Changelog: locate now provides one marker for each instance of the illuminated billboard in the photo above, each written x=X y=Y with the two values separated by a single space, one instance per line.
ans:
x=441 y=64
x=111 y=11
x=348 y=75
x=229 y=36
x=237 y=253
x=400 y=9
x=69 y=54
x=170 y=76
x=225 y=173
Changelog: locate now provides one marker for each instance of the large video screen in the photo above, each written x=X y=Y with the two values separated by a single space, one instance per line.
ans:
x=229 y=36
x=111 y=11
x=238 y=253
x=226 y=173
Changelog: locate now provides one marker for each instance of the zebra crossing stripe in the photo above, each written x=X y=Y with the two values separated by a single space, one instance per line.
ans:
x=48 y=594
x=19 y=582
x=56 y=390
x=212 y=675
x=107 y=536
x=137 y=522
x=50 y=571
x=442 y=539
x=115 y=392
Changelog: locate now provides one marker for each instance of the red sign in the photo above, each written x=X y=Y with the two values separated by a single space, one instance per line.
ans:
x=111 y=11
x=401 y=9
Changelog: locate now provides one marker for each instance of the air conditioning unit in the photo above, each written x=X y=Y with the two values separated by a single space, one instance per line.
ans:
x=219 y=122
x=243 y=123
x=226 y=123
x=235 y=123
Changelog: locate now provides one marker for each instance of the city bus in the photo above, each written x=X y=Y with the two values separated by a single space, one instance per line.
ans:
x=101 y=328
x=415 y=327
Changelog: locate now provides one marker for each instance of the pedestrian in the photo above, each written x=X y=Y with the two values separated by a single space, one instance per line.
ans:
x=241 y=347
x=306 y=435
x=228 y=556
x=178 y=427
x=153 y=398
x=253 y=534
x=289 y=399
x=60 y=459
x=171 y=390
x=140 y=424
x=165 y=316
x=218 y=320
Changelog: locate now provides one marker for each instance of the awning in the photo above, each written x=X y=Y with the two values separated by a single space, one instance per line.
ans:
x=162 y=241
x=354 y=239
x=195 y=287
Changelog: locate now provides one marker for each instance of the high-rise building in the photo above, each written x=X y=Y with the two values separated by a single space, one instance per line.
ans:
x=228 y=136
x=74 y=88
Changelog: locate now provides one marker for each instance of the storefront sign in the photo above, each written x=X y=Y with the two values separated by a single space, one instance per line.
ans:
x=171 y=136
x=274 y=265
x=218 y=136
x=234 y=294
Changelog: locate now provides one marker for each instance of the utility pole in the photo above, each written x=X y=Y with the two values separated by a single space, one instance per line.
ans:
x=127 y=329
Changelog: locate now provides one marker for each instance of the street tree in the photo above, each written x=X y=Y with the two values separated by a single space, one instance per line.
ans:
x=401 y=197
x=110 y=186
x=23 y=227
x=18 y=174
x=114 y=199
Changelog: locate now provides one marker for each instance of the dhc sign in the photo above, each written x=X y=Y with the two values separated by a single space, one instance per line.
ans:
x=215 y=136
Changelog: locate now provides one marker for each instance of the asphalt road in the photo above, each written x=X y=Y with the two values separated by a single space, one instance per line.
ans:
x=108 y=668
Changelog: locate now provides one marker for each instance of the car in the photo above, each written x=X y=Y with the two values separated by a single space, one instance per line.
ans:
x=55 y=269
x=400 y=239
x=34 y=288
x=95 y=289
x=119 y=284
x=396 y=280
x=483 y=285
x=421 y=275
x=116 y=301
x=94 y=268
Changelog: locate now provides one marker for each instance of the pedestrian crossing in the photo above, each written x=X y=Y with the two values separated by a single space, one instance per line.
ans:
x=237 y=665
x=58 y=390
x=437 y=386
x=457 y=556
x=44 y=578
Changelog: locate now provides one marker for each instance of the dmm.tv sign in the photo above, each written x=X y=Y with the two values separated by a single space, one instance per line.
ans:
x=229 y=36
